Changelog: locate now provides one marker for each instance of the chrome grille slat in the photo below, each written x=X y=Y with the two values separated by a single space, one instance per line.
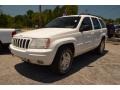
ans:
x=25 y=43
x=21 y=42
x=13 y=41
x=17 y=42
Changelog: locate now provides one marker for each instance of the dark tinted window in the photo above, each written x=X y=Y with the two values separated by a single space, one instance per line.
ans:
x=86 y=22
x=117 y=26
x=102 y=23
x=96 y=23
x=110 y=26
x=64 y=22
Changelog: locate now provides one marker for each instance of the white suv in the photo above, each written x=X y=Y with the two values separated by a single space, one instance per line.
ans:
x=60 y=40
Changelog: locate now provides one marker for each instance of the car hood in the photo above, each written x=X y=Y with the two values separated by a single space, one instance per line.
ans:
x=44 y=32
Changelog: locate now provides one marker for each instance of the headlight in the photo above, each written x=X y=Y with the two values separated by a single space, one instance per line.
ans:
x=40 y=43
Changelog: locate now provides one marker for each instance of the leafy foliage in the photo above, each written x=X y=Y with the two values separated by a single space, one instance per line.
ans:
x=36 y=19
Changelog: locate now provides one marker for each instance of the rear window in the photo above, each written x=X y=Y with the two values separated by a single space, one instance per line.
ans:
x=96 y=23
x=102 y=23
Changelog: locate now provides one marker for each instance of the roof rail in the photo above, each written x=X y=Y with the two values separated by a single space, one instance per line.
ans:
x=89 y=14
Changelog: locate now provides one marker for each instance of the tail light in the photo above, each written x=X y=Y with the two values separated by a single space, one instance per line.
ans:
x=13 y=33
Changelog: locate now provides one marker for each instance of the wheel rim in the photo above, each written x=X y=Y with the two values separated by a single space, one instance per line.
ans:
x=65 y=61
x=102 y=46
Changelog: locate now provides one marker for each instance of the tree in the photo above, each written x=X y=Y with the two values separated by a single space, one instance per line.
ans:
x=20 y=21
x=69 y=9
x=3 y=21
x=10 y=21
x=29 y=14
x=109 y=21
x=31 y=18
x=117 y=21
x=35 y=19
x=47 y=16
x=56 y=12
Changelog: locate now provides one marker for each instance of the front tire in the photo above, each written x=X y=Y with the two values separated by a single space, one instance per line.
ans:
x=63 y=60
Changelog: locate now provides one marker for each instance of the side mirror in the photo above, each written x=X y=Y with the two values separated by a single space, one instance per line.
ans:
x=84 y=28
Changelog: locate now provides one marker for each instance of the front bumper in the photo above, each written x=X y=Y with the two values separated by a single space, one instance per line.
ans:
x=35 y=56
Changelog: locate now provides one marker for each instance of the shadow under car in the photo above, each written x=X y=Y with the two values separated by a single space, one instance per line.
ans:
x=43 y=73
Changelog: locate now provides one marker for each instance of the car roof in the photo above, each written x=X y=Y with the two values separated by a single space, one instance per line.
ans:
x=82 y=15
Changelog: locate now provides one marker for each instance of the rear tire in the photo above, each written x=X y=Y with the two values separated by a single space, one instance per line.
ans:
x=1 y=46
x=100 y=49
x=63 y=60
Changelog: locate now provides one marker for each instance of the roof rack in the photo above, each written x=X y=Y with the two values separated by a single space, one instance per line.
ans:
x=90 y=14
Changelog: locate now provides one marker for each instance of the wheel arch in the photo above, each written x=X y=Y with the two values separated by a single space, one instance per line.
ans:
x=69 y=42
x=69 y=45
x=103 y=38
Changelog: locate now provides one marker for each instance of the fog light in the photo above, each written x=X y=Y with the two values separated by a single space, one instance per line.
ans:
x=39 y=62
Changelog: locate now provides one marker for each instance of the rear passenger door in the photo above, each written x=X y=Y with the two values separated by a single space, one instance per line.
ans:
x=97 y=31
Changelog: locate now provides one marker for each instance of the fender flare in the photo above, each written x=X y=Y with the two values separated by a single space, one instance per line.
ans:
x=57 y=43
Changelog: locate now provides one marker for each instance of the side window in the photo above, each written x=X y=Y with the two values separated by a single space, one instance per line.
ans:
x=86 y=24
x=96 y=23
x=102 y=23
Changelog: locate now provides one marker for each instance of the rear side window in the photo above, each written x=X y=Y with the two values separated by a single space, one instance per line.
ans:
x=86 y=22
x=102 y=23
x=96 y=23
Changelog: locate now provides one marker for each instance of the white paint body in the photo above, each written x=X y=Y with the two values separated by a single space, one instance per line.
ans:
x=83 y=42
x=6 y=35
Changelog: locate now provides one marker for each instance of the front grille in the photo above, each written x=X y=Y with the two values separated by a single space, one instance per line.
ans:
x=21 y=43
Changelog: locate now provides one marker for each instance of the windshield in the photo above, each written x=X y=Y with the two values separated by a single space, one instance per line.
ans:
x=64 y=22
